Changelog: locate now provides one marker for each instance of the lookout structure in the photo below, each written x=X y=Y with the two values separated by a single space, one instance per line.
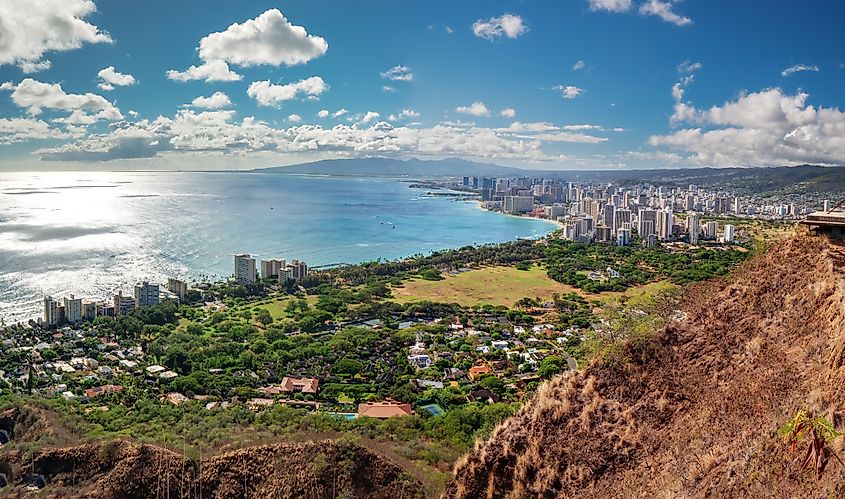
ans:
x=830 y=222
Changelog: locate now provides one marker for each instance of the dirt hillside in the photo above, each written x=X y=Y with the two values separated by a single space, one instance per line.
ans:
x=122 y=469
x=695 y=412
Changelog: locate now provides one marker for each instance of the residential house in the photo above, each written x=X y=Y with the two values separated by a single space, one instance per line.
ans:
x=383 y=410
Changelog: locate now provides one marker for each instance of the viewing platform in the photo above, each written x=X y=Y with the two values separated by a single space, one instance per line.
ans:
x=831 y=223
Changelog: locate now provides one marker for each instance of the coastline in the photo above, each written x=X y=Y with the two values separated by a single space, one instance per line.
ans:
x=556 y=223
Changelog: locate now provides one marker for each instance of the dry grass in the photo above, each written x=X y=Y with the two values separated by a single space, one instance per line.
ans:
x=699 y=416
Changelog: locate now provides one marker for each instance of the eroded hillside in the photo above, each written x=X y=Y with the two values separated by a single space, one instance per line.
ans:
x=695 y=412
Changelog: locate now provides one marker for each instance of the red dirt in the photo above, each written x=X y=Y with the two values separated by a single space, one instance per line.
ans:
x=696 y=413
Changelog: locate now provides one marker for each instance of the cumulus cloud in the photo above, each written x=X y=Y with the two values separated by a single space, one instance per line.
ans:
x=294 y=118
x=404 y=114
x=339 y=112
x=214 y=101
x=209 y=71
x=268 y=94
x=268 y=39
x=477 y=108
x=663 y=10
x=508 y=112
x=109 y=78
x=370 y=116
x=568 y=91
x=507 y=25
x=21 y=129
x=388 y=89
x=798 y=68
x=759 y=129
x=610 y=5
x=30 y=28
x=36 y=96
x=579 y=65
x=398 y=73
x=324 y=113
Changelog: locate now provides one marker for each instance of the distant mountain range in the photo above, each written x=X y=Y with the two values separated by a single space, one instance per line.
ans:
x=807 y=177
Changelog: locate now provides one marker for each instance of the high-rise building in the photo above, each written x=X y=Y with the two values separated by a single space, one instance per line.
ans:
x=826 y=206
x=89 y=311
x=518 y=204
x=694 y=227
x=51 y=312
x=73 y=309
x=665 y=219
x=623 y=237
x=646 y=222
x=272 y=267
x=295 y=270
x=736 y=205
x=729 y=233
x=146 y=294
x=177 y=287
x=244 y=268
x=123 y=304
x=466 y=181
x=711 y=230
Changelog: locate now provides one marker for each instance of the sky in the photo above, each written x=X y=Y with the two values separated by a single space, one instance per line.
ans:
x=556 y=84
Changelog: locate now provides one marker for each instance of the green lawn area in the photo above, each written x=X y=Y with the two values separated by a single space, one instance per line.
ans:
x=276 y=306
x=490 y=285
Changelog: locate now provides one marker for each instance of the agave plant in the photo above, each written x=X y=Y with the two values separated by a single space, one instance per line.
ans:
x=817 y=432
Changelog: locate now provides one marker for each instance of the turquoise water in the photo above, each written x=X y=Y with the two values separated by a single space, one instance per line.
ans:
x=93 y=233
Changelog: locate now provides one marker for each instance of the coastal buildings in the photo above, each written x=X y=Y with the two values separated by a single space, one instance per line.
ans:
x=244 y=268
x=273 y=267
x=146 y=294
x=518 y=204
x=73 y=309
x=178 y=288
x=51 y=312
x=123 y=304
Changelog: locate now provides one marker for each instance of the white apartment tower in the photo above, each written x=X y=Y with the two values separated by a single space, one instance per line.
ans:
x=244 y=268
x=694 y=227
x=146 y=294
x=73 y=309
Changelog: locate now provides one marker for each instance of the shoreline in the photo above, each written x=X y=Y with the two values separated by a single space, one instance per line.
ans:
x=556 y=223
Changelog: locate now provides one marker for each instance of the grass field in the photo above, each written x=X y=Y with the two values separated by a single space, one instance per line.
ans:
x=491 y=285
x=498 y=286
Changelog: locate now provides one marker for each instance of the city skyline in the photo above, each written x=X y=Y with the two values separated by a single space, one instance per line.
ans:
x=584 y=84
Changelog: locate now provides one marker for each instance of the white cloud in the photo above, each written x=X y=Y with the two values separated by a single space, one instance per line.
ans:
x=404 y=114
x=388 y=89
x=209 y=71
x=610 y=5
x=268 y=39
x=324 y=113
x=109 y=78
x=294 y=118
x=579 y=65
x=214 y=101
x=663 y=10
x=268 y=94
x=20 y=129
x=398 y=73
x=30 y=28
x=568 y=91
x=508 y=112
x=370 y=116
x=688 y=67
x=508 y=25
x=475 y=109
x=759 y=129
x=798 y=68
x=132 y=113
x=36 y=96
x=339 y=112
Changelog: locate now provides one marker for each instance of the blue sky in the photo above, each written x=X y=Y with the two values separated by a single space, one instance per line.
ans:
x=659 y=83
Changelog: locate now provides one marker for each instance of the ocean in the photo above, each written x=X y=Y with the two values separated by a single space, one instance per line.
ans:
x=93 y=233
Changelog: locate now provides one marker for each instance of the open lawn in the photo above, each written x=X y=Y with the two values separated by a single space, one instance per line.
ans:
x=276 y=305
x=490 y=285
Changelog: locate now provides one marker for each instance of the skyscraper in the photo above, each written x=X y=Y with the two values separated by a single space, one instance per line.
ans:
x=51 y=312
x=729 y=233
x=665 y=220
x=73 y=309
x=244 y=268
x=694 y=227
